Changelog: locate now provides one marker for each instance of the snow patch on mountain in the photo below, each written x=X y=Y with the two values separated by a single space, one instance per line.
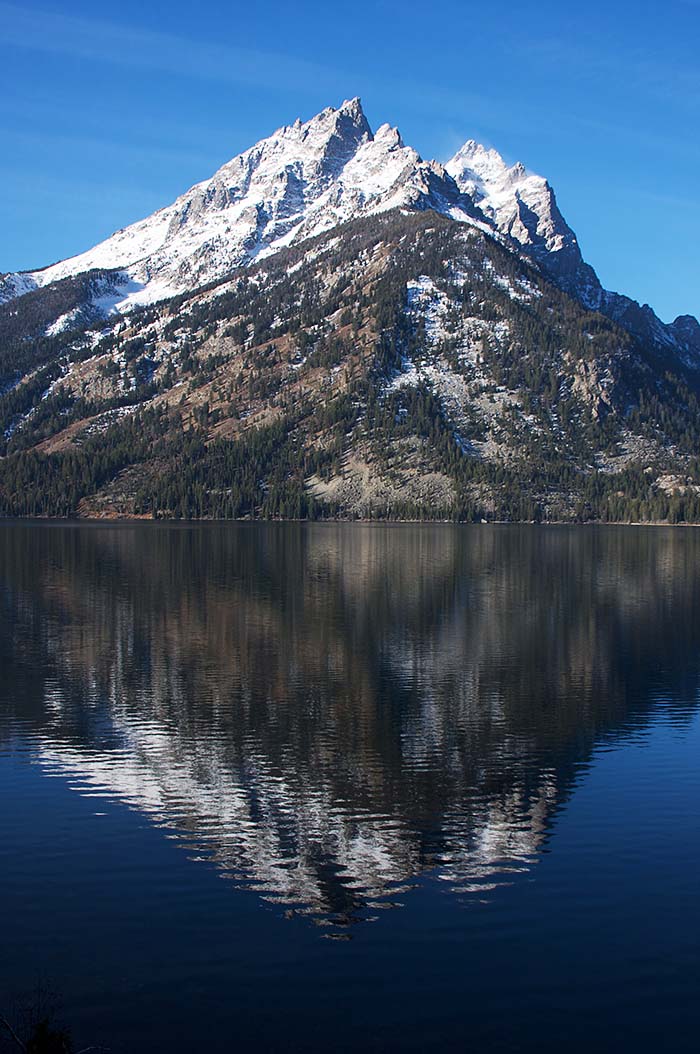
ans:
x=14 y=285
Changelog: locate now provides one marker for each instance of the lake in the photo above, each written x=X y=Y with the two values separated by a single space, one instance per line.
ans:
x=289 y=787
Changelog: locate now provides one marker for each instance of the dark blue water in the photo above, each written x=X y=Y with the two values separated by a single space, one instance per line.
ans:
x=342 y=788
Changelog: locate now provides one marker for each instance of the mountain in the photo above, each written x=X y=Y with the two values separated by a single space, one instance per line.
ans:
x=331 y=325
x=304 y=179
x=307 y=178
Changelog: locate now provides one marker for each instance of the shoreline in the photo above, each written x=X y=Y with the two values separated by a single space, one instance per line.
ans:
x=113 y=521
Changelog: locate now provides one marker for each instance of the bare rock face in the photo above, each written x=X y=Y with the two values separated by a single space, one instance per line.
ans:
x=687 y=331
x=594 y=383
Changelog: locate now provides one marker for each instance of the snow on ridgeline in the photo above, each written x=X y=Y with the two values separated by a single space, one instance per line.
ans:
x=519 y=203
x=301 y=181
x=309 y=177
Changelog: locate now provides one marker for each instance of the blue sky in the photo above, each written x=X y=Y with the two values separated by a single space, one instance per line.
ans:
x=109 y=112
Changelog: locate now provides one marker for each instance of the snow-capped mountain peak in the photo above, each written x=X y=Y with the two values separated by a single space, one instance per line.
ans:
x=308 y=177
x=520 y=203
x=523 y=206
x=478 y=163
x=298 y=182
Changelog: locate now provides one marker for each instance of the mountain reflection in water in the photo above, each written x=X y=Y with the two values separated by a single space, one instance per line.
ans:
x=329 y=711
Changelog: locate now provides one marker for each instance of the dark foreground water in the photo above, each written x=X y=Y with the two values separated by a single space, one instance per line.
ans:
x=348 y=788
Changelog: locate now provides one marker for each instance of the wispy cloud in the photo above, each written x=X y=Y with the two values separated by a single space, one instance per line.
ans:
x=95 y=40
x=636 y=72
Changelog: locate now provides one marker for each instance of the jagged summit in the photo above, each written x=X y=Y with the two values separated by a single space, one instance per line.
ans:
x=298 y=182
x=523 y=206
x=309 y=177
x=520 y=203
x=342 y=128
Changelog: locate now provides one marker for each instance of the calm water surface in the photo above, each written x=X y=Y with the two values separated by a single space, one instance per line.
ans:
x=344 y=788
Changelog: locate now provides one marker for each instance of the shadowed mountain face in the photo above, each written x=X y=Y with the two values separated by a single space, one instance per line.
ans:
x=327 y=712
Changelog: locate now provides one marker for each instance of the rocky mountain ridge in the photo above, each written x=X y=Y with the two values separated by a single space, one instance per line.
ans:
x=308 y=177
x=299 y=182
x=524 y=207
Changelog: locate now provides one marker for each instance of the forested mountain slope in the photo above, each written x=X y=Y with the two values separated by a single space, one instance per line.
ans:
x=404 y=364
